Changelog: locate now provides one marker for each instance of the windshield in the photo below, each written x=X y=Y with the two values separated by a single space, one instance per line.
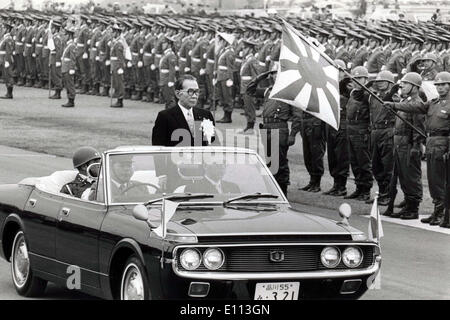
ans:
x=141 y=177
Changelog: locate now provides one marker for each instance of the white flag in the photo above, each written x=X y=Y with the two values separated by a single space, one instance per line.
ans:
x=375 y=226
x=50 y=42
x=430 y=90
x=169 y=209
x=126 y=48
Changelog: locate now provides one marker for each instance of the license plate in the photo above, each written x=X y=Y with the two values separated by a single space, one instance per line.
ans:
x=277 y=291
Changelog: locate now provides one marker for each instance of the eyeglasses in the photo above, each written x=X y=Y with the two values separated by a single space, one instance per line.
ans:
x=191 y=92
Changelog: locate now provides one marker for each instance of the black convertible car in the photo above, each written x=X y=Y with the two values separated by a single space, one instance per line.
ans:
x=175 y=223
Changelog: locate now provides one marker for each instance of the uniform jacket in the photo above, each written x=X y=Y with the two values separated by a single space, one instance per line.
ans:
x=225 y=64
x=360 y=57
x=148 y=49
x=249 y=70
x=77 y=186
x=117 y=56
x=29 y=45
x=167 y=67
x=103 y=46
x=210 y=57
x=82 y=40
x=20 y=39
x=38 y=45
x=396 y=62
x=136 y=48
x=94 y=43
x=6 y=49
x=376 y=60
x=55 y=56
x=342 y=54
x=198 y=56
x=264 y=56
x=404 y=135
x=184 y=57
x=69 y=56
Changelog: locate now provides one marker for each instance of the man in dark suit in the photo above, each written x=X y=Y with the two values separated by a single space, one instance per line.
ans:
x=182 y=125
x=213 y=182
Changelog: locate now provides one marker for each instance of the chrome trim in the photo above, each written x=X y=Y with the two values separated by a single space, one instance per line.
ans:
x=271 y=275
x=264 y=234
x=322 y=274
x=325 y=244
x=67 y=264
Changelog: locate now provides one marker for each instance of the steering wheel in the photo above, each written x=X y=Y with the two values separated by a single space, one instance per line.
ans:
x=140 y=185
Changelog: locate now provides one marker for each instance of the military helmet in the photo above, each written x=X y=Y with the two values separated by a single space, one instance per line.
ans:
x=83 y=155
x=429 y=56
x=360 y=72
x=385 y=75
x=413 y=78
x=340 y=63
x=442 y=78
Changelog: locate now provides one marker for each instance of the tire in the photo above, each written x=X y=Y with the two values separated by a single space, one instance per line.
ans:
x=25 y=282
x=134 y=271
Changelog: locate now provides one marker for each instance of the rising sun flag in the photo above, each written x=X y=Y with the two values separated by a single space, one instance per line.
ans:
x=307 y=78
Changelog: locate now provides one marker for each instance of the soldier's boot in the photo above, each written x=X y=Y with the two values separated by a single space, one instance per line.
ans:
x=127 y=94
x=137 y=96
x=226 y=118
x=69 y=104
x=118 y=104
x=364 y=195
x=401 y=204
x=431 y=217
x=38 y=84
x=284 y=188
x=390 y=208
x=403 y=211
x=340 y=191
x=315 y=185
x=445 y=221
x=57 y=94
x=355 y=194
x=20 y=82
x=9 y=93
x=438 y=216
x=28 y=84
x=412 y=211
x=96 y=89
x=331 y=191
x=105 y=92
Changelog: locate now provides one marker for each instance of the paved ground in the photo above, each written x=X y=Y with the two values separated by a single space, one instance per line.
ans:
x=416 y=260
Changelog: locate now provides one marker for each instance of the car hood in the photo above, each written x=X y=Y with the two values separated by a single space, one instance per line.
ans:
x=271 y=219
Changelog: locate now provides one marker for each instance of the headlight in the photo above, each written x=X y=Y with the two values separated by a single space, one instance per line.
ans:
x=190 y=259
x=330 y=257
x=352 y=257
x=213 y=258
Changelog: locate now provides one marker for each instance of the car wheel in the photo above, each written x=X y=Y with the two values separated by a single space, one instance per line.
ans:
x=25 y=282
x=134 y=283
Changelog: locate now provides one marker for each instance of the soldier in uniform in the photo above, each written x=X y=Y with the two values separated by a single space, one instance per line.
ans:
x=68 y=65
x=19 y=60
x=38 y=48
x=358 y=116
x=382 y=135
x=249 y=70
x=82 y=159
x=151 y=76
x=55 y=61
x=82 y=54
x=136 y=48
x=118 y=65
x=437 y=113
x=337 y=141
x=167 y=71
x=225 y=68
x=266 y=48
x=407 y=152
x=94 y=58
x=30 y=64
x=209 y=69
x=276 y=115
x=103 y=50
x=428 y=67
x=198 y=64
x=6 y=60
x=396 y=63
x=376 y=59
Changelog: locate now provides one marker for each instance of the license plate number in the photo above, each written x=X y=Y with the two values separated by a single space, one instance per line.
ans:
x=277 y=291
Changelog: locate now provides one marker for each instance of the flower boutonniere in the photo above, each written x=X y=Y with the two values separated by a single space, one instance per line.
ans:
x=207 y=126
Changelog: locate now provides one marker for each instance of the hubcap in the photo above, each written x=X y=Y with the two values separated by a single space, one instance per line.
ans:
x=20 y=261
x=132 y=287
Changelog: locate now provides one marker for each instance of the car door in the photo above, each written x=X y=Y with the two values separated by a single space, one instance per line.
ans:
x=40 y=219
x=77 y=235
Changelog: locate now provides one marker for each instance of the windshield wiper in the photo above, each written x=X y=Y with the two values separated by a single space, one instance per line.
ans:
x=251 y=196
x=181 y=196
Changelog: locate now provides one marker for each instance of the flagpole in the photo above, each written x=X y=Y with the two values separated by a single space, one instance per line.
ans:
x=215 y=73
x=353 y=79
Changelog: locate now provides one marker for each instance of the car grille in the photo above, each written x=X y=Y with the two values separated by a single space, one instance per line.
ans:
x=296 y=258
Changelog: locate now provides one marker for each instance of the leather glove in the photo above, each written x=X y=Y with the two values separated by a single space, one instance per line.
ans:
x=291 y=140
x=129 y=64
x=140 y=64
x=85 y=55
x=120 y=71
x=58 y=64
x=170 y=84
x=71 y=72
x=229 y=83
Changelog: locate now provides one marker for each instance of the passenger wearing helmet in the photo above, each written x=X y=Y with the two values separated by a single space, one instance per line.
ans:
x=438 y=131
x=337 y=142
x=382 y=134
x=407 y=151
x=82 y=159
x=358 y=131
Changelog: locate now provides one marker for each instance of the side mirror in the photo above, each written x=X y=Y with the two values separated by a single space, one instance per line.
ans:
x=93 y=171
x=141 y=213
x=345 y=211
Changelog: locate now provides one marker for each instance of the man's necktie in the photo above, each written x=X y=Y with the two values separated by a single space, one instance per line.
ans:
x=190 y=121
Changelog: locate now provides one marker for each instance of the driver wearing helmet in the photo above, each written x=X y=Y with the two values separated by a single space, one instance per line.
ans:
x=82 y=159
